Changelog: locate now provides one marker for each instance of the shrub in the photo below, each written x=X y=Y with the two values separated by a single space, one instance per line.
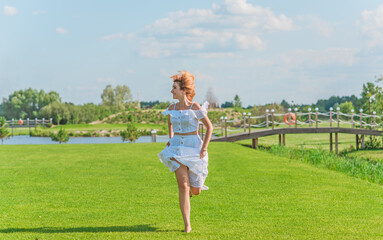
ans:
x=61 y=136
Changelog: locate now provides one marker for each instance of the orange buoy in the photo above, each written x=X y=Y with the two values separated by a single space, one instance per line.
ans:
x=20 y=122
x=285 y=119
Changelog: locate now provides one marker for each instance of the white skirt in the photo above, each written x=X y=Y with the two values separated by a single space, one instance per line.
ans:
x=186 y=150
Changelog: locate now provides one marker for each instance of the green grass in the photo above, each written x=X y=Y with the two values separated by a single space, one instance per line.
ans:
x=122 y=191
x=91 y=127
x=309 y=141
x=371 y=155
x=106 y=126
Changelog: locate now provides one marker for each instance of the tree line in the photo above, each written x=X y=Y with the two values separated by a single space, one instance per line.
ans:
x=32 y=103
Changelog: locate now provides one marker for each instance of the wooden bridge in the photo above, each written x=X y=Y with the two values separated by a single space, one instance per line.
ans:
x=359 y=128
x=27 y=123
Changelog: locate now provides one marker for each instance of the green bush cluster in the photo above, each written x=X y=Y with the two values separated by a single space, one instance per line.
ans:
x=374 y=142
x=137 y=115
x=40 y=131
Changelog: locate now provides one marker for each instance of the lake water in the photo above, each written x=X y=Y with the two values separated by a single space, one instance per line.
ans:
x=26 y=139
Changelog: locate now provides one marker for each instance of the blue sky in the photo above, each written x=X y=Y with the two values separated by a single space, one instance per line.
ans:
x=264 y=51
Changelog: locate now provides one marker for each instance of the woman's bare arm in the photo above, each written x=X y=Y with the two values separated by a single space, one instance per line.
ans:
x=170 y=127
x=209 y=130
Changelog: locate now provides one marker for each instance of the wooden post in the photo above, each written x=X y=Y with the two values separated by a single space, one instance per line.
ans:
x=249 y=122
x=309 y=118
x=225 y=126
x=284 y=139
x=357 y=141
x=221 y=126
x=272 y=119
x=336 y=143
x=267 y=118
x=154 y=135
x=244 y=122
x=362 y=142
x=374 y=120
x=330 y=142
x=255 y=143
x=316 y=117
x=352 y=119
x=29 y=126
x=337 y=115
x=280 y=139
x=361 y=124
x=330 y=117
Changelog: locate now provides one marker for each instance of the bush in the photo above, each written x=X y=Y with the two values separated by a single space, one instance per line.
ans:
x=61 y=136
x=374 y=142
x=131 y=133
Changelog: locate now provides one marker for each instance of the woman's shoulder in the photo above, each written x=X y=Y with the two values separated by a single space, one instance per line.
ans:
x=196 y=106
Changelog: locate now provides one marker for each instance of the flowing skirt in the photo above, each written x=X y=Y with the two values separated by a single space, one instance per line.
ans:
x=186 y=150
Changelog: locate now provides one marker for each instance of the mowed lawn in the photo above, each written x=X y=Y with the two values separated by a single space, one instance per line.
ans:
x=122 y=191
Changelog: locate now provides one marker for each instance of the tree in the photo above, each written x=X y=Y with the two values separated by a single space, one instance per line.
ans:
x=4 y=133
x=118 y=97
x=211 y=98
x=122 y=96
x=237 y=102
x=131 y=133
x=371 y=97
x=27 y=103
x=346 y=107
x=285 y=104
x=227 y=105
x=61 y=136
x=59 y=112
x=107 y=96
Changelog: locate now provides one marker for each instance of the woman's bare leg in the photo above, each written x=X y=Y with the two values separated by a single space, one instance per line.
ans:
x=183 y=188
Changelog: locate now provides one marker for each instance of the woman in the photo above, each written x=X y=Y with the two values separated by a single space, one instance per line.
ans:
x=186 y=154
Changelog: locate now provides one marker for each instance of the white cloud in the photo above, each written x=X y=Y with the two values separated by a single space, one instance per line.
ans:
x=322 y=27
x=61 y=30
x=107 y=80
x=119 y=36
x=9 y=11
x=320 y=58
x=372 y=26
x=232 y=26
x=38 y=12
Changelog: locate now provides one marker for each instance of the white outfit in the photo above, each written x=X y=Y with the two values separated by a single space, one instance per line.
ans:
x=186 y=148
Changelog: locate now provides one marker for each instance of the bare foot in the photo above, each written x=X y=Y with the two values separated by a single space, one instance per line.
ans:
x=188 y=229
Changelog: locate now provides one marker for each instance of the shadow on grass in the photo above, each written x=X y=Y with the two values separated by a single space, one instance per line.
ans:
x=135 y=228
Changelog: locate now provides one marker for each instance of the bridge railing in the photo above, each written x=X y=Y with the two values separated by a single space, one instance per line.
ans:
x=25 y=123
x=271 y=119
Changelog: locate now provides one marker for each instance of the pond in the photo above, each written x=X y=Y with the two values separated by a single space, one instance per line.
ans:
x=26 y=139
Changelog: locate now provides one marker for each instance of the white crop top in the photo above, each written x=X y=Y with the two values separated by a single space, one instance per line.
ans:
x=184 y=121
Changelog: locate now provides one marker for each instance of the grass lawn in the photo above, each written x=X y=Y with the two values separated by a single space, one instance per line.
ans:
x=317 y=140
x=92 y=127
x=372 y=155
x=122 y=191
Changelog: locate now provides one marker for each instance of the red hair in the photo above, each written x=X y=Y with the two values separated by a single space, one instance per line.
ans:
x=186 y=83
